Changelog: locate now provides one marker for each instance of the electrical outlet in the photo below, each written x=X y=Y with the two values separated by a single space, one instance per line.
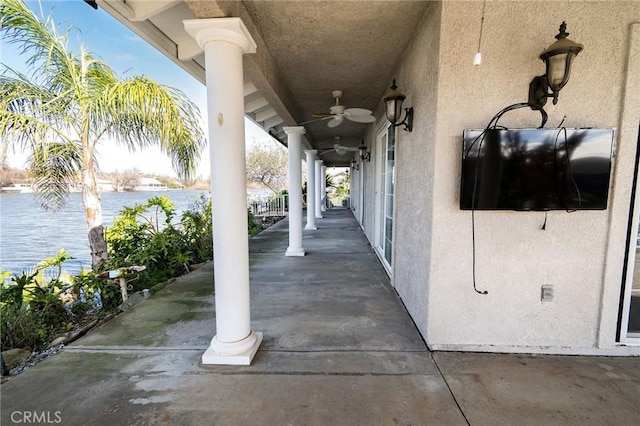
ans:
x=546 y=293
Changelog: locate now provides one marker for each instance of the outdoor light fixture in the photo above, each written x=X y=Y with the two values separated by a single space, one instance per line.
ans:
x=364 y=154
x=557 y=59
x=393 y=100
x=354 y=164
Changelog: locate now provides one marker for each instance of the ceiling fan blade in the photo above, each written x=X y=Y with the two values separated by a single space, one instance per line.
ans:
x=356 y=111
x=335 y=121
x=322 y=114
x=314 y=120
x=344 y=147
x=362 y=118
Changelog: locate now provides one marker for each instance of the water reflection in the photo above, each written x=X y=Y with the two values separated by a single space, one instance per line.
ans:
x=28 y=234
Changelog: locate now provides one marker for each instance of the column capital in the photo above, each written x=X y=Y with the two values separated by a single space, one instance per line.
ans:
x=231 y=30
x=292 y=130
x=311 y=151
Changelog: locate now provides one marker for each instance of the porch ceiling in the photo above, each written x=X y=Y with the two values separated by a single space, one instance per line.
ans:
x=306 y=49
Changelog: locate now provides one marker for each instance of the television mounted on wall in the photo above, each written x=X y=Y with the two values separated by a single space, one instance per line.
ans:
x=536 y=169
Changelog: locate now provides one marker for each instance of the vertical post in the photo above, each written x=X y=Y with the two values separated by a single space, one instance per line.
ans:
x=294 y=143
x=323 y=192
x=224 y=41
x=311 y=190
x=318 y=171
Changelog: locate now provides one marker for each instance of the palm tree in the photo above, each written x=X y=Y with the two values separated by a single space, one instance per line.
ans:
x=71 y=103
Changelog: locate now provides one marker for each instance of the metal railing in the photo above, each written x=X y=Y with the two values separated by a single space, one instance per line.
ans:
x=274 y=205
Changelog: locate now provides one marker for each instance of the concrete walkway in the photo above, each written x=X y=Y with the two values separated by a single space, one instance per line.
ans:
x=339 y=349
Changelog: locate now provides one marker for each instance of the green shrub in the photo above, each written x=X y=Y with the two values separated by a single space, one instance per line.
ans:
x=31 y=306
x=145 y=235
x=197 y=228
x=254 y=228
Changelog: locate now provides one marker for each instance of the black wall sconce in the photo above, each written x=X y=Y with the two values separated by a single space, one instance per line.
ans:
x=364 y=154
x=557 y=59
x=393 y=100
x=354 y=164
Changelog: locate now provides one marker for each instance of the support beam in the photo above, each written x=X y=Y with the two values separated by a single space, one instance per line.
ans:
x=266 y=114
x=311 y=190
x=272 y=122
x=248 y=89
x=188 y=49
x=318 y=173
x=224 y=41
x=294 y=143
x=323 y=191
x=254 y=105
x=148 y=9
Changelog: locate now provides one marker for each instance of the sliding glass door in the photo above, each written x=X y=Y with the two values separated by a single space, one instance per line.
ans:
x=385 y=168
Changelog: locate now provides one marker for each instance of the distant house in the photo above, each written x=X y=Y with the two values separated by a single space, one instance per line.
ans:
x=150 y=184
x=105 y=185
x=17 y=187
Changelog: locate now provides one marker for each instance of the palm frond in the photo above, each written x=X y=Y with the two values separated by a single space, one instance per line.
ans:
x=152 y=114
x=30 y=113
x=21 y=27
x=55 y=167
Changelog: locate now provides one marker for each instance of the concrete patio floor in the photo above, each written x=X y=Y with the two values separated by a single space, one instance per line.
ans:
x=339 y=349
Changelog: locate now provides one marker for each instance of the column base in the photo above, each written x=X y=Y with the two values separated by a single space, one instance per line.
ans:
x=319 y=217
x=310 y=228
x=225 y=353
x=295 y=251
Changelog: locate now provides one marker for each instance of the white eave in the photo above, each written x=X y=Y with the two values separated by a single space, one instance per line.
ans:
x=159 y=23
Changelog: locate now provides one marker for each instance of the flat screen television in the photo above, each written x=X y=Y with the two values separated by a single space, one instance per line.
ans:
x=536 y=169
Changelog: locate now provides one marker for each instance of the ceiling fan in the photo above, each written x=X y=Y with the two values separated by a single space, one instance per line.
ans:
x=340 y=149
x=337 y=113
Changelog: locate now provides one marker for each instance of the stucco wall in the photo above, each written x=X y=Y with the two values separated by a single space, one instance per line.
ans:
x=515 y=257
x=415 y=168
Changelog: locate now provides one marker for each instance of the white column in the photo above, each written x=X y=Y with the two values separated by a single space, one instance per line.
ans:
x=318 y=188
x=323 y=192
x=294 y=144
x=311 y=189
x=224 y=41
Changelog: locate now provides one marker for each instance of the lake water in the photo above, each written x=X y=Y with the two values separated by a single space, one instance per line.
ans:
x=29 y=234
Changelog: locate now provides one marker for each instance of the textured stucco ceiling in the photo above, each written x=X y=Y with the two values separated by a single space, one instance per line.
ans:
x=306 y=49
x=322 y=46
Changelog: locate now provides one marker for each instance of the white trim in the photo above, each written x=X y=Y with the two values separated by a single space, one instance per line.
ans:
x=244 y=357
x=231 y=30
x=381 y=144
x=618 y=350
x=361 y=193
x=631 y=87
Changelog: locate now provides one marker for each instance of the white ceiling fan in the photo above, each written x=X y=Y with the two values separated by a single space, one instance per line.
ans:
x=340 y=149
x=337 y=113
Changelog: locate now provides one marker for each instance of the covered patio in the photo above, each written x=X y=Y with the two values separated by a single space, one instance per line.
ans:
x=316 y=75
x=339 y=348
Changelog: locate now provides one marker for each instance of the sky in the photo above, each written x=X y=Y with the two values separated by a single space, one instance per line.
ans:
x=128 y=55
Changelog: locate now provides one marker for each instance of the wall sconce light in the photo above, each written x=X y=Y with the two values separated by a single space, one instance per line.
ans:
x=393 y=100
x=557 y=59
x=364 y=154
x=354 y=164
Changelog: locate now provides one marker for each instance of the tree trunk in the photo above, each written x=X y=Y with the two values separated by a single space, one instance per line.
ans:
x=93 y=214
